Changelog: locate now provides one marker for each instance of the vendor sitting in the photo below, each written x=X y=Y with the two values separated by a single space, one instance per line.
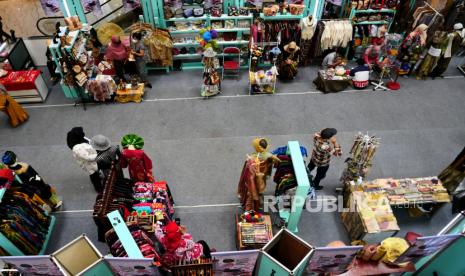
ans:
x=360 y=74
x=332 y=60
x=288 y=61
x=372 y=56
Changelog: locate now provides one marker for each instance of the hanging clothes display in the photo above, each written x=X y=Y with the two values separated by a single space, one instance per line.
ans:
x=437 y=48
x=23 y=221
x=159 y=45
x=273 y=31
x=135 y=159
x=308 y=26
x=412 y=47
x=315 y=48
x=336 y=34
x=31 y=178
x=430 y=17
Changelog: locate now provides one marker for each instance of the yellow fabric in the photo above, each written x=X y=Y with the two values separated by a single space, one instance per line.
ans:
x=108 y=30
x=394 y=248
x=256 y=144
x=12 y=109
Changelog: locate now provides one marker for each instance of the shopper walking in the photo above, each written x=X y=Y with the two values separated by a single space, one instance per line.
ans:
x=85 y=155
x=138 y=51
x=325 y=146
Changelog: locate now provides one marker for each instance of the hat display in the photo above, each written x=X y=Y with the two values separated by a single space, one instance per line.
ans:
x=100 y=142
x=458 y=26
x=107 y=30
x=209 y=53
x=291 y=46
x=132 y=140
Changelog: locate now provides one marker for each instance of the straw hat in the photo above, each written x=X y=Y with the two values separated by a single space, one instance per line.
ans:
x=108 y=30
x=291 y=46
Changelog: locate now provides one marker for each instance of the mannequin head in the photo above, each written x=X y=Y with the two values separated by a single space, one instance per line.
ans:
x=260 y=144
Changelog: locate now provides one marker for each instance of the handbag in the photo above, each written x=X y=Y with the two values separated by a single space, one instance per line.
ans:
x=216 y=11
x=296 y=9
x=198 y=12
x=233 y=11
x=188 y=12
x=243 y=11
x=168 y=13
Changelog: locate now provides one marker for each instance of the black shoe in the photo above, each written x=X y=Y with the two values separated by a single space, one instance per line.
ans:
x=318 y=188
x=149 y=85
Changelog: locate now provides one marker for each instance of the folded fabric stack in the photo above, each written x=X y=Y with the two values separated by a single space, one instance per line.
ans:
x=375 y=212
x=253 y=233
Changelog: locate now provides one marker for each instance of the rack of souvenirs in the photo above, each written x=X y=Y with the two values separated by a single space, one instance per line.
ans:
x=263 y=55
x=26 y=226
x=253 y=230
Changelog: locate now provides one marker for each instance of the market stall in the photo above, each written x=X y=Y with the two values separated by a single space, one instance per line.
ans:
x=332 y=80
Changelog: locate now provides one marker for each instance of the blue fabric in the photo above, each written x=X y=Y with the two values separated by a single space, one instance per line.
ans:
x=283 y=151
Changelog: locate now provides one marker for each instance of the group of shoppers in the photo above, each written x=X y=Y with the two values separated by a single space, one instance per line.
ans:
x=128 y=60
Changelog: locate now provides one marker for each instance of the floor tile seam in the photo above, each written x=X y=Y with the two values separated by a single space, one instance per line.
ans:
x=340 y=131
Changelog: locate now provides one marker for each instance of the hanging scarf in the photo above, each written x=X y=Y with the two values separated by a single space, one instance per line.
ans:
x=116 y=50
x=308 y=27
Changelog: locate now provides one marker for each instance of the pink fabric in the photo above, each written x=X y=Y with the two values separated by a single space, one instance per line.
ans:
x=187 y=250
x=116 y=49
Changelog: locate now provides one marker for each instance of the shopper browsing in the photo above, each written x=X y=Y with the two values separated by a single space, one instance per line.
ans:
x=138 y=52
x=325 y=145
x=332 y=60
x=117 y=53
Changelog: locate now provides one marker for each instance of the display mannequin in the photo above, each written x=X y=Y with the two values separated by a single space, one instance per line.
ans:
x=11 y=108
x=31 y=178
x=135 y=159
x=437 y=48
x=454 y=40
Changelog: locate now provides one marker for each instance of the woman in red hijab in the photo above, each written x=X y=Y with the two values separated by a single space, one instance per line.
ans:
x=179 y=244
x=118 y=53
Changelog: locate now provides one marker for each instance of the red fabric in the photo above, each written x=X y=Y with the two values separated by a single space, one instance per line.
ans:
x=173 y=236
x=231 y=65
x=139 y=165
x=7 y=174
x=160 y=185
x=20 y=80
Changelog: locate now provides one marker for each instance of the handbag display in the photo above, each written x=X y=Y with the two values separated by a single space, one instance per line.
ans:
x=216 y=11
x=167 y=12
x=229 y=24
x=271 y=11
x=243 y=11
x=188 y=12
x=233 y=11
x=198 y=12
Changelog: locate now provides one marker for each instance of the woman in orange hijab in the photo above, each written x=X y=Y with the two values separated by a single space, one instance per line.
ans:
x=12 y=109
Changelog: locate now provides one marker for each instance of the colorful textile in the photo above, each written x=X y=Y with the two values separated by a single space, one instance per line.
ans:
x=138 y=164
x=12 y=109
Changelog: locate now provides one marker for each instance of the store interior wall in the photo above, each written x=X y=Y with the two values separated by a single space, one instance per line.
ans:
x=37 y=48
x=21 y=16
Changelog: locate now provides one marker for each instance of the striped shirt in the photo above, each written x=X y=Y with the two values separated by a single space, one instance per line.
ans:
x=322 y=151
x=104 y=158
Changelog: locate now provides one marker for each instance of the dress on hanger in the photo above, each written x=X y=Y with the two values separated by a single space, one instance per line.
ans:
x=138 y=164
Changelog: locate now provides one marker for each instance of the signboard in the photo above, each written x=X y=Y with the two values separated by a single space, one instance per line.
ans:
x=425 y=246
x=33 y=265
x=234 y=262
x=131 y=267
x=334 y=260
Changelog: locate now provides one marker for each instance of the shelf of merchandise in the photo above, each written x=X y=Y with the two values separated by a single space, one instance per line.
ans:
x=185 y=44
x=192 y=66
x=374 y=11
x=9 y=247
x=233 y=42
x=181 y=19
x=223 y=30
x=372 y=23
x=282 y=17
x=230 y=17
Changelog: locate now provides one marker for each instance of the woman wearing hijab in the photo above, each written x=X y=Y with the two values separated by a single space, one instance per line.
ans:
x=288 y=61
x=85 y=155
x=179 y=245
x=118 y=53
x=11 y=108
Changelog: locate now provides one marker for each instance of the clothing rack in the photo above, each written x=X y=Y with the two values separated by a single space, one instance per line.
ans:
x=431 y=7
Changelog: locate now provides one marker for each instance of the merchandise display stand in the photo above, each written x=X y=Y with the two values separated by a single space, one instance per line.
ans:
x=122 y=231
x=11 y=248
x=285 y=254
x=292 y=218
x=261 y=82
x=265 y=224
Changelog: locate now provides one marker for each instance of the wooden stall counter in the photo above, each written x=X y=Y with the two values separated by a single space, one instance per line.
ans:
x=130 y=94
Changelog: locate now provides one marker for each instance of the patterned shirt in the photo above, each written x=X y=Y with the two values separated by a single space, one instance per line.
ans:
x=322 y=151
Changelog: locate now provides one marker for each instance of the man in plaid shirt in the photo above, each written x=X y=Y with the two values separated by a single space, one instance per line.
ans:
x=325 y=145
